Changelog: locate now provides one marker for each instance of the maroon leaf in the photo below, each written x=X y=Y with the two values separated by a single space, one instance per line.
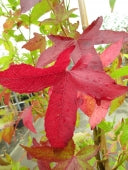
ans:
x=26 y=5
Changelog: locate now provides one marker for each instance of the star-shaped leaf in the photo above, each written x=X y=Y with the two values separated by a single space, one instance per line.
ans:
x=83 y=45
x=86 y=76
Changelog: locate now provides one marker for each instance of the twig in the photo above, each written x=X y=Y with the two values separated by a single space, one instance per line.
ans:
x=83 y=14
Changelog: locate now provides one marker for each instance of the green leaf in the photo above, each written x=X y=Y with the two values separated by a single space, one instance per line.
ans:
x=106 y=126
x=120 y=72
x=1 y=12
x=40 y=9
x=112 y=4
x=5 y=61
x=116 y=103
x=87 y=152
x=25 y=18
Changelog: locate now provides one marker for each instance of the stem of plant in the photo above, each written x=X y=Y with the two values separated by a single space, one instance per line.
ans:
x=101 y=156
x=98 y=134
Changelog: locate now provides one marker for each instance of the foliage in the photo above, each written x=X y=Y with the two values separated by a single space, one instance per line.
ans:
x=59 y=57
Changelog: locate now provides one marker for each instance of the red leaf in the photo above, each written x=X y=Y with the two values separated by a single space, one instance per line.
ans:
x=28 y=119
x=24 y=78
x=95 y=83
x=99 y=113
x=83 y=45
x=111 y=53
x=60 y=118
x=26 y=5
x=43 y=165
x=61 y=42
x=86 y=76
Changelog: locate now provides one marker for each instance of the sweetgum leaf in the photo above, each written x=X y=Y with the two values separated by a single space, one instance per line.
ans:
x=87 y=152
x=120 y=72
x=3 y=162
x=43 y=165
x=40 y=9
x=80 y=160
x=87 y=76
x=46 y=57
x=26 y=5
x=99 y=113
x=87 y=104
x=25 y=78
x=7 y=134
x=86 y=79
x=111 y=53
x=60 y=118
x=38 y=42
x=47 y=153
x=28 y=119
x=83 y=45
x=116 y=103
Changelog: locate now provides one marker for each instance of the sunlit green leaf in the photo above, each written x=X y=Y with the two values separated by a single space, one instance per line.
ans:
x=106 y=126
x=112 y=4
x=116 y=103
x=120 y=72
x=40 y=9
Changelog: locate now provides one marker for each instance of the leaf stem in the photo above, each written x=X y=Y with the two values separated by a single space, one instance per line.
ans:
x=97 y=141
x=101 y=157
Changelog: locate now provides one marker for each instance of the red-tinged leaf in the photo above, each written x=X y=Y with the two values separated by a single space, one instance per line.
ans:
x=99 y=113
x=92 y=29
x=3 y=162
x=80 y=160
x=38 y=42
x=26 y=5
x=43 y=165
x=8 y=24
x=95 y=83
x=111 y=53
x=47 y=153
x=69 y=165
x=61 y=42
x=7 y=97
x=87 y=104
x=87 y=153
x=60 y=118
x=116 y=103
x=7 y=134
x=108 y=36
x=28 y=119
